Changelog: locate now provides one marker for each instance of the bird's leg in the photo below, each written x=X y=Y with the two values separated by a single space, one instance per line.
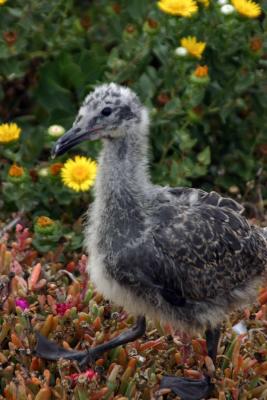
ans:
x=194 y=389
x=130 y=335
x=212 y=340
x=51 y=351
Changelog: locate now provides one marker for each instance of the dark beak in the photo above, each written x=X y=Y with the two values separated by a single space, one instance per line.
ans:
x=71 y=138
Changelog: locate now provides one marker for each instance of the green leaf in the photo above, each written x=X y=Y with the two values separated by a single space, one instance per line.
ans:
x=204 y=156
x=137 y=9
x=186 y=142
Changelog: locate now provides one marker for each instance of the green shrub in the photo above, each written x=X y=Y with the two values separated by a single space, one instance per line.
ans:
x=208 y=110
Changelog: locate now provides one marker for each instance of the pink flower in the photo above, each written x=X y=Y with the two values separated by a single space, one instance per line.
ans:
x=90 y=374
x=61 y=308
x=22 y=303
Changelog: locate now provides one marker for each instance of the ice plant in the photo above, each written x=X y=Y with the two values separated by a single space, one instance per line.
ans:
x=79 y=174
x=182 y=8
x=22 y=304
x=61 y=308
x=9 y=132
x=193 y=47
x=55 y=131
x=89 y=375
x=247 y=8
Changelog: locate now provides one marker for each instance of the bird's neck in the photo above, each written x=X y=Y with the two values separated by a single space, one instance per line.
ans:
x=121 y=188
x=123 y=166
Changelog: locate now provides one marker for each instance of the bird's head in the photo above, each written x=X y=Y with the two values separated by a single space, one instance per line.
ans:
x=110 y=112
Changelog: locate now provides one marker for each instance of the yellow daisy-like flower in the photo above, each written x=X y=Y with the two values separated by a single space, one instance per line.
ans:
x=182 y=8
x=193 y=47
x=9 y=132
x=247 y=8
x=2 y=2
x=79 y=174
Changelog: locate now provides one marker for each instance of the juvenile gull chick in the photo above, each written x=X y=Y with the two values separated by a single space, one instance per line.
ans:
x=181 y=255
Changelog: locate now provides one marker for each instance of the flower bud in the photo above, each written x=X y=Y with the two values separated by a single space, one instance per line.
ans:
x=56 y=131
x=151 y=26
x=181 y=52
x=43 y=172
x=200 y=75
x=45 y=226
x=16 y=174
x=227 y=9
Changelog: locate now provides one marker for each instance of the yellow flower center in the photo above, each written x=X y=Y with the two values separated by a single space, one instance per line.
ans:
x=79 y=173
x=15 y=171
x=44 y=221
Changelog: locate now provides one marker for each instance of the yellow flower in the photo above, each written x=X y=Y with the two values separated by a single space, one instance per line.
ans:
x=247 y=8
x=193 y=47
x=9 y=132
x=183 y=8
x=79 y=174
x=205 y=3
x=2 y=2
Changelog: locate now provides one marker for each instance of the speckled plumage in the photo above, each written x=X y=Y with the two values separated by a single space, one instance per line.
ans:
x=176 y=254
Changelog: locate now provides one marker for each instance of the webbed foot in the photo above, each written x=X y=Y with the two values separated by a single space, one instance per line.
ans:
x=187 y=388
x=51 y=351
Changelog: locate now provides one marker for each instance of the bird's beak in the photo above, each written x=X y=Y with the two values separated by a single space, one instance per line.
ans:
x=71 y=138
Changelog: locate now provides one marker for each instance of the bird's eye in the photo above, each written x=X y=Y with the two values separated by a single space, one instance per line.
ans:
x=106 y=111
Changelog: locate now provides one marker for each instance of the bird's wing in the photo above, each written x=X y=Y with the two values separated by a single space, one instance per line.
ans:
x=193 y=254
x=190 y=196
x=209 y=249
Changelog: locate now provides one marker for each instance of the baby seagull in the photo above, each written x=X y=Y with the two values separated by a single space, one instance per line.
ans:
x=180 y=255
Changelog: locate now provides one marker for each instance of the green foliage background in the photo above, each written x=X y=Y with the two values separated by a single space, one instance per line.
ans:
x=52 y=53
